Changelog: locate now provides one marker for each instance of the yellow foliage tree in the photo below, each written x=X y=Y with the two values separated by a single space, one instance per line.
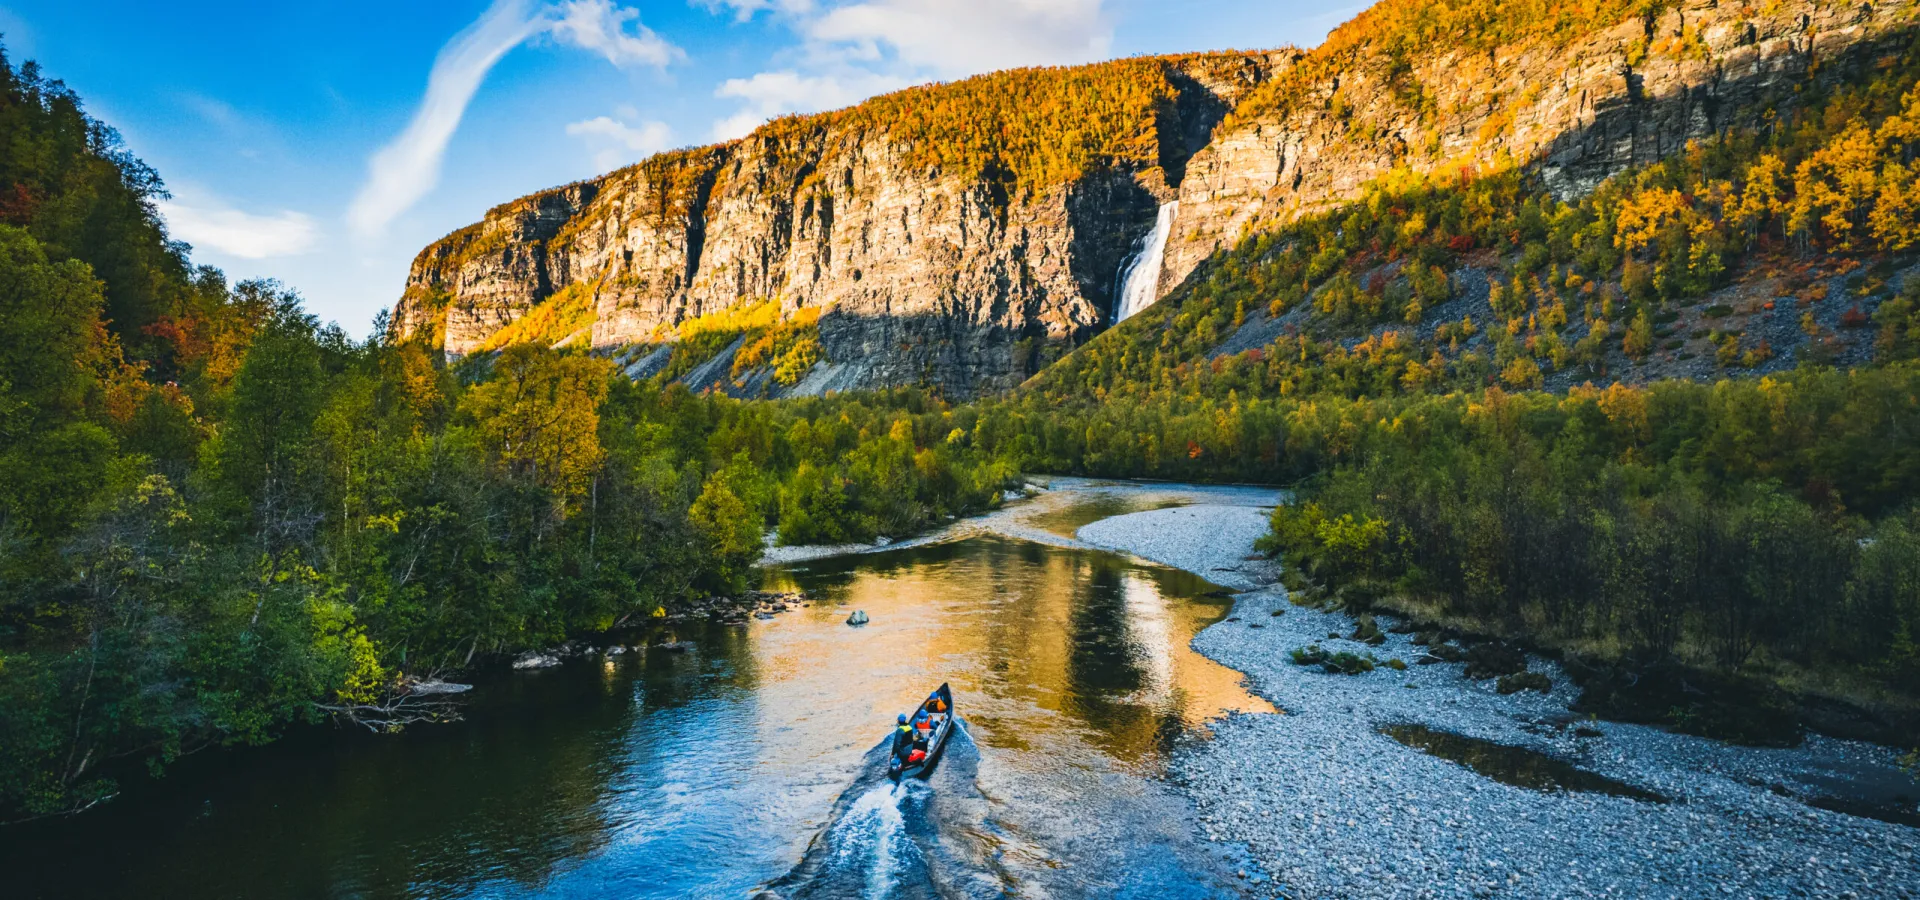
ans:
x=539 y=416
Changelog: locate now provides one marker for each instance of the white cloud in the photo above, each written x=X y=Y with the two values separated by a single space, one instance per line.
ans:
x=213 y=111
x=744 y=10
x=770 y=94
x=403 y=171
x=207 y=222
x=967 y=37
x=601 y=27
x=619 y=142
x=854 y=50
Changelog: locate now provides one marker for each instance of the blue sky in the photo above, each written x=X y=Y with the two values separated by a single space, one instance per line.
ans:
x=324 y=143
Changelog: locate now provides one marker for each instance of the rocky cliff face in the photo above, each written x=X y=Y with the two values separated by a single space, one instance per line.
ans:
x=923 y=274
x=965 y=278
x=1578 y=112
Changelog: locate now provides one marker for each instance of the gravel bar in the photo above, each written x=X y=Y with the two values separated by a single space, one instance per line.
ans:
x=1328 y=806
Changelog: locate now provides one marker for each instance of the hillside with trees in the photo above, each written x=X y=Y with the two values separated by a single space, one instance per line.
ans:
x=1665 y=425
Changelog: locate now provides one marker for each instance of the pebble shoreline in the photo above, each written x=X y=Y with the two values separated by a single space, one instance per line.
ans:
x=1328 y=806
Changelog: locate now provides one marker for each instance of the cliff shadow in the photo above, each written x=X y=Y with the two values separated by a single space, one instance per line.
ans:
x=953 y=356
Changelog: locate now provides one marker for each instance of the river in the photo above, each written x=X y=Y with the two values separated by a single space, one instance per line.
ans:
x=746 y=763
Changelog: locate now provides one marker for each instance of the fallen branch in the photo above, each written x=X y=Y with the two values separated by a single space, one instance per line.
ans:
x=65 y=812
x=398 y=710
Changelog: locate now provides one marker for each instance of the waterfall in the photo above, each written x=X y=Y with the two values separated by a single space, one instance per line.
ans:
x=1140 y=287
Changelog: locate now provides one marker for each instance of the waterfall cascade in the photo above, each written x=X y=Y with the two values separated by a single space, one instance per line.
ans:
x=1140 y=286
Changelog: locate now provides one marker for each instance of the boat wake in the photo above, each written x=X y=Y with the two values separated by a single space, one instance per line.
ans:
x=872 y=835
x=915 y=839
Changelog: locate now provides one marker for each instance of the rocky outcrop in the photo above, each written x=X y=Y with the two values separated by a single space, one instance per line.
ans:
x=968 y=278
x=1578 y=111
x=924 y=274
x=482 y=277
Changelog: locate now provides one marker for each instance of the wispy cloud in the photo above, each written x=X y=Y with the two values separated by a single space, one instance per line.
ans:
x=851 y=51
x=601 y=27
x=966 y=37
x=211 y=110
x=769 y=94
x=209 y=222
x=404 y=171
x=619 y=142
x=745 y=9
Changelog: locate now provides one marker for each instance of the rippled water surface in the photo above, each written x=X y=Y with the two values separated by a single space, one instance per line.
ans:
x=749 y=762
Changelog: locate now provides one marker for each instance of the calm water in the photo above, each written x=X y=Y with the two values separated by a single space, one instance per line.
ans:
x=748 y=762
x=1517 y=766
x=1067 y=519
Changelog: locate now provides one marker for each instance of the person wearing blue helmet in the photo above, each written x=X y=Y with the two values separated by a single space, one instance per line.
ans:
x=928 y=717
x=904 y=737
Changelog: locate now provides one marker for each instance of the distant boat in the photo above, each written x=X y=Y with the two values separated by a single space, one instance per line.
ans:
x=898 y=768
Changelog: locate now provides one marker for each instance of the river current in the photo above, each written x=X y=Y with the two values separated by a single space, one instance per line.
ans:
x=750 y=763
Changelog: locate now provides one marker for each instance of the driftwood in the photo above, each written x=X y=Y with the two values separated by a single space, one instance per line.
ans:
x=405 y=703
x=64 y=812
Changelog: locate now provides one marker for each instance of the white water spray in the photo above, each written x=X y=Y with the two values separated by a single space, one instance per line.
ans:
x=872 y=828
x=1141 y=285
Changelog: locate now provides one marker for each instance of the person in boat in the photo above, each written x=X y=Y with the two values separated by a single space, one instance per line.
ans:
x=929 y=715
x=909 y=745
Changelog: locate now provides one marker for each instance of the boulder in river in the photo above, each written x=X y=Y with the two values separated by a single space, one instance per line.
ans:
x=859 y=617
x=535 y=660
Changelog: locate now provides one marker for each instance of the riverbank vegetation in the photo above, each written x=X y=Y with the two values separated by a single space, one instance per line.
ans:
x=1765 y=529
x=1754 y=536
x=222 y=518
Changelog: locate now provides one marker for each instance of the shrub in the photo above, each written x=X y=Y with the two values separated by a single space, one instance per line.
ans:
x=1342 y=663
x=1446 y=653
x=1525 y=681
x=1492 y=658
x=1347 y=664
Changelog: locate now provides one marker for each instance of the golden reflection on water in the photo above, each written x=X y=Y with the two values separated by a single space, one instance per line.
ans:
x=1065 y=514
x=1046 y=648
x=705 y=771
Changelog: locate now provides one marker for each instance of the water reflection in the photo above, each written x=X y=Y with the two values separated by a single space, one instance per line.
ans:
x=1517 y=766
x=1082 y=509
x=657 y=774
x=1038 y=638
